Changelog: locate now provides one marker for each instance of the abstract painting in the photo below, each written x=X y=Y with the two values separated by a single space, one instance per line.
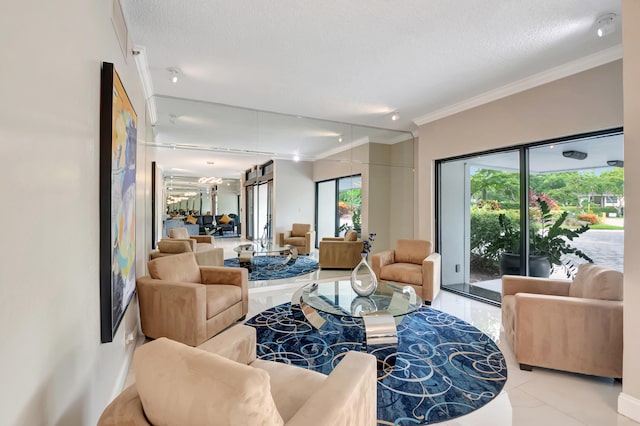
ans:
x=118 y=135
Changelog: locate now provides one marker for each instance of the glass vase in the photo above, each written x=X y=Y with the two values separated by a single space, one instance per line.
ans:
x=363 y=279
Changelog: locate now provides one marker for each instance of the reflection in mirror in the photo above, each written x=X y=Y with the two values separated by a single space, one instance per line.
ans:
x=194 y=140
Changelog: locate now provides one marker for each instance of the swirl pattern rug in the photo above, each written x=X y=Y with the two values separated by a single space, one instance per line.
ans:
x=444 y=367
x=271 y=267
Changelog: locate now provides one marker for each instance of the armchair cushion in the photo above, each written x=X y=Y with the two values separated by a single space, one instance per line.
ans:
x=409 y=273
x=412 y=251
x=300 y=229
x=181 y=385
x=180 y=268
x=597 y=282
x=181 y=233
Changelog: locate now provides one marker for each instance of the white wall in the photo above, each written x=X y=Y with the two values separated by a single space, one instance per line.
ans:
x=227 y=200
x=293 y=195
x=629 y=401
x=54 y=369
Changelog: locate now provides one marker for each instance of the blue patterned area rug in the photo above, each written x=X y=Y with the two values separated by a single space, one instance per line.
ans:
x=271 y=267
x=444 y=367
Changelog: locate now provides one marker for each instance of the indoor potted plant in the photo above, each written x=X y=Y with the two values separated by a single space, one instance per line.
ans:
x=548 y=242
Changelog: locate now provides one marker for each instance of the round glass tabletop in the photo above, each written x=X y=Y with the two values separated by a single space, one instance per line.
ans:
x=338 y=298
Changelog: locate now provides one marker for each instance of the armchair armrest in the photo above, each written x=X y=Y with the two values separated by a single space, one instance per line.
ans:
x=512 y=284
x=431 y=267
x=170 y=309
x=351 y=390
x=203 y=238
x=310 y=240
x=237 y=343
x=381 y=259
x=569 y=333
x=212 y=275
x=282 y=236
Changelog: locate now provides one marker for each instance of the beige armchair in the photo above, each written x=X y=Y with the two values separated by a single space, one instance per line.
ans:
x=222 y=383
x=571 y=326
x=413 y=263
x=340 y=252
x=180 y=241
x=190 y=303
x=300 y=236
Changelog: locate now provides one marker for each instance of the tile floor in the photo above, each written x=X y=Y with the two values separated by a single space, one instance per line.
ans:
x=540 y=397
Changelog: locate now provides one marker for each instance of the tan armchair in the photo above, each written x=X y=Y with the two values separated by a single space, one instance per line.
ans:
x=340 y=252
x=222 y=383
x=300 y=236
x=571 y=326
x=190 y=303
x=180 y=241
x=413 y=263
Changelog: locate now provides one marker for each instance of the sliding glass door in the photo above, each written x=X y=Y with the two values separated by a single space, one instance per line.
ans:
x=484 y=233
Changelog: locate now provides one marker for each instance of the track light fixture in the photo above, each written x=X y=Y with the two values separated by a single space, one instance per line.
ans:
x=616 y=163
x=576 y=155
x=605 y=24
x=395 y=116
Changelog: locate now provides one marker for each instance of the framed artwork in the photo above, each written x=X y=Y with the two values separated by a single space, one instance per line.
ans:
x=118 y=134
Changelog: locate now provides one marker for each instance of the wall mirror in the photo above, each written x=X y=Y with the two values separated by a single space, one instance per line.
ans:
x=193 y=140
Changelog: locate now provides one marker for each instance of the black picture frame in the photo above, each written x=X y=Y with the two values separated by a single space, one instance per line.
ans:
x=118 y=144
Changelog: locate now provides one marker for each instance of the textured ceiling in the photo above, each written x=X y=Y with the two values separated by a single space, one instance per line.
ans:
x=358 y=61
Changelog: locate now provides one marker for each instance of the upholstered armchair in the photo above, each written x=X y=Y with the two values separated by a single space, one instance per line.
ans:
x=301 y=235
x=190 y=303
x=180 y=241
x=566 y=325
x=222 y=383
x=340 y=252
x=413 y=263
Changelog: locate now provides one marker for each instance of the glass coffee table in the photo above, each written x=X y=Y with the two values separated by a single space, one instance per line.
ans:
x=380 y=312
x=247 y=251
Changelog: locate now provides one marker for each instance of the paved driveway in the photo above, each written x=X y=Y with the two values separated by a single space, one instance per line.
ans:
x=603 y=246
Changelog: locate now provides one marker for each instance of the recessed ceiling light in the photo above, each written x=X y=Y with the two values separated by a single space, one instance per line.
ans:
x=339 y=138
x=296 y=158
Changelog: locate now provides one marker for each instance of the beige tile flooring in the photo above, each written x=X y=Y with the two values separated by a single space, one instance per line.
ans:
x=539 y=397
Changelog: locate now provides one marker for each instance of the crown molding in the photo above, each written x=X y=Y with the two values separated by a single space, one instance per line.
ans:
x=140 y=56
x=591 y=61
x=339 y=149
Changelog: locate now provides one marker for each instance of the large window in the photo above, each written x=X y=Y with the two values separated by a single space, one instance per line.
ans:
x=573 y=193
